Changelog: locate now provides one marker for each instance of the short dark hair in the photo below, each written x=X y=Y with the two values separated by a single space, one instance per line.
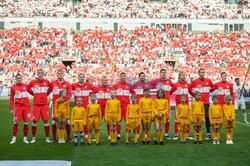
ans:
x=236 y=79
x=163 y=70
x=181 y=73
x=18 y=74
x=122 y=73
x=223 y=73
x=214 y=97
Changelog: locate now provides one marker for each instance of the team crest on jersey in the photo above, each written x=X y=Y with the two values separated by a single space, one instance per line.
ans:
x=64 y=86
x=206 y=83
x=198 y=86
x=44 y=83
x=227 y=86
x=24 y=88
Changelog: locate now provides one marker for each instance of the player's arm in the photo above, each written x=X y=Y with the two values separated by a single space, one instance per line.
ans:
x=233 y=114
x=29 y=86
x=50 y=88
x=166 y=108
x=190 y=91
x=214 y=87
x=131 y=89
x=106 y=109
x=173 y=89
x=225 y=114
x=12 y=99
x=119 y=110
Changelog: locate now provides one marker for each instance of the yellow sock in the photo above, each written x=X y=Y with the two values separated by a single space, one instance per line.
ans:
x=181 y=135
x=115 y=136
x=161 y=135
x=127 y=136
x=231 y=133
x=195 y=135
x=214 y=135
x=227 y=134
x=218 y=135
x=156 y=135
x=143 y=135
x=184 y=135
x=200 y=135
x=97 y=136
x=111 y=136
x=89 y=137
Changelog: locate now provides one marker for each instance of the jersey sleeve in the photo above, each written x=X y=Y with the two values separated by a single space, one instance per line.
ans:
x=29 y=86
x=12 y=98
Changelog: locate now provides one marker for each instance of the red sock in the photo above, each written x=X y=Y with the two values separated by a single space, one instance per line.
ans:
x=14 y=130
x=46 y=129
x=167 y=127
x=34 y=131
x=108 y=129
x=175 y=128
x=118 y=129
x=188 y=130
x=25 y=130
x=68 y=129
x=138 y=130
x=54 y=131
x=86 y=131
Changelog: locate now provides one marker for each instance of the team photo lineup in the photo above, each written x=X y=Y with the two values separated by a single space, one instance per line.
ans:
x=139 y=105
x=124 y=82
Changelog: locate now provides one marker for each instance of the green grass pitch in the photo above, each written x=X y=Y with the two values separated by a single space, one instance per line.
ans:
x=172 y=153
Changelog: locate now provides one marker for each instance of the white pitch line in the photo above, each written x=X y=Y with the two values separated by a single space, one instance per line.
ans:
x=243 y=123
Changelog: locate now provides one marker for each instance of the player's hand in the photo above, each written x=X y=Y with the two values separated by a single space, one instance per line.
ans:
x=60 y=101
x=12 y=112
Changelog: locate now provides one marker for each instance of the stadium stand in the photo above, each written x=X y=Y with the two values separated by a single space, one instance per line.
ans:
x=196 y=9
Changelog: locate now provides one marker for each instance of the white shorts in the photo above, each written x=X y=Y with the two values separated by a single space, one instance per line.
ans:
x=240 y=103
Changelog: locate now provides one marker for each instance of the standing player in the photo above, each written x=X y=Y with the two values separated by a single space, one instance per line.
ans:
x=138 y=88
x=179 y=88
x=223 y=88
x=124 y=90
x=57 y=86
x=166 y=84
x=21 y=109
x=103 y=95
x=203 y=85
x=83 y=89
x=40 y=88
x=239 y=98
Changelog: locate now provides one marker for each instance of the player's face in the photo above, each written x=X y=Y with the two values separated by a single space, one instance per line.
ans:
x=123 y=77
x=133 y=99
x=60 y=75
x=112 y=94
x=224 y=77
x=198 y=96
x=182 y=76
x=93 y=98
x=81 y=78
x=215 y=100
x=237 y=82
x=202 y=74
x=79 y=102
x=146 y=93
x=163 y=74
x=19 y=79
x=183 y=99
x=161 y=94
x=40 y=74
x=104 y=81
x=142 y=77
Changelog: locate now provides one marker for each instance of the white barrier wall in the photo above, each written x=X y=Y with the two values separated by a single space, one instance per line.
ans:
x=110 y=24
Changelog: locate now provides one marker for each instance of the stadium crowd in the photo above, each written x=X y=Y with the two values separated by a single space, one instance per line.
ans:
x=193 y=9
x=97 y=53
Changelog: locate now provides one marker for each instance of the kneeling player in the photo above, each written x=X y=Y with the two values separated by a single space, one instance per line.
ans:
x=197 y=117
x=160 y=111
x=132 y=119
x=93 y=119
x=229 y=119
x=62 y=115
x=113 y=116
x=182 y=117
x=78 y=121
x=21 y=109
x=215 y=118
